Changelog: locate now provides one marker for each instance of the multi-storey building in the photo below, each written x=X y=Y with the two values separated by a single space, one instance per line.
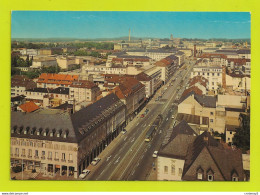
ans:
x=57 y=142
x=38 y=94
x=49 y=80
x=83 y=90
x=19 y=84
x=212 y=73
x=44 y=62
x=189 y=157
x=168 y=65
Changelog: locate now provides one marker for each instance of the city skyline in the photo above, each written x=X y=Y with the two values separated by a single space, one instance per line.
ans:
x=94 y=25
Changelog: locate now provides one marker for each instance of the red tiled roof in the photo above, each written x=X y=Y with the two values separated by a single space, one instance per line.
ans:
x=238 y=61
x=57 y=78
x=198 y=79
x=196 y=90
x=213 y=55
x=83 y=84
x=29 y=107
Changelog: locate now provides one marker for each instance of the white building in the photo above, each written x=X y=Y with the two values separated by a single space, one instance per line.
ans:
x=212 y=74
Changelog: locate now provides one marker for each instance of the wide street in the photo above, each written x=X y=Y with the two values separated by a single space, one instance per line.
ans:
x=129 y=157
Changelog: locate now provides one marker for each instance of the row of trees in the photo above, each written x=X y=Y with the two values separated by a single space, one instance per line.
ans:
x=85 y=53
x=16 y=61
x=36 y=73
x=89 y=45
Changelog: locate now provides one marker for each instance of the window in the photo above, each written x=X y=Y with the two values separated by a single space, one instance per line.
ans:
x=70 y=156
x=213 y=74
x=43 y=153
x=211 y=120
x=56 y=155
x=211 y=113
x=230 y=132
x=234 y=178
x=210 y=177
x=36 y=153
x=173 y=170
x=51 y=134
x=199 y=176
x=50 y=155
x=63 y=156
x=30 y=152
x=165 y=169
x=17 y=151
x=23 y=151
x=207 y=74
x=218 y=74
x=212 y=83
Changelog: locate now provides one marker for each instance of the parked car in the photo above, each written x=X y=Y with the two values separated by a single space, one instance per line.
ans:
x=155 y=154
x=124 y=131
x=142 y=116
x=84 y=173
x=95 y=161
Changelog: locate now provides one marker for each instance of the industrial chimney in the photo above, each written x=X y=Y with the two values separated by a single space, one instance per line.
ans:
x=129 y=39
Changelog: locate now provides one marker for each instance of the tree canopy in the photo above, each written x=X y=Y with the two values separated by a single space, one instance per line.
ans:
x=242 y=137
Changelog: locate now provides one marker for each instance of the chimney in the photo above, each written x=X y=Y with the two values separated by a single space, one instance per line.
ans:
x=129 y=38
x=206 y=139
x=194 y=50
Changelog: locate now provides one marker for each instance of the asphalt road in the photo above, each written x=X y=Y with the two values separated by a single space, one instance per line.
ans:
x=129 y=157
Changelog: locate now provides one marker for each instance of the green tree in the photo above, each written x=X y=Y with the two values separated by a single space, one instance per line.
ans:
x=242 y=137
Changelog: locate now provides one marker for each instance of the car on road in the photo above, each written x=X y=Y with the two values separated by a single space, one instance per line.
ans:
x=142 y=116
x=84 y=173
x=172 y=117
x=124 y=131
x=95 y=161
x=155 y=154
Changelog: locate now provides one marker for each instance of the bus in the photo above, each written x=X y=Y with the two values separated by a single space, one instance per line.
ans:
x=151 y=132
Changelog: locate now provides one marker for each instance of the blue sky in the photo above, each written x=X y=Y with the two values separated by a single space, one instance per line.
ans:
x=61 y=24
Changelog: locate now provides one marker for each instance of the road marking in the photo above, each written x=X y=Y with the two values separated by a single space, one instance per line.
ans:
x=117 y=160
x=133 y=172
x=142 y=156
x=125 y=138
x=133 y=140
x=144 y=125
x=102 y=172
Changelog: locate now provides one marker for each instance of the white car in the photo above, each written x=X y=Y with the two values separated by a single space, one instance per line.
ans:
x=95 y=161
x=155 y=154
x=84 y=173
x=172 y=117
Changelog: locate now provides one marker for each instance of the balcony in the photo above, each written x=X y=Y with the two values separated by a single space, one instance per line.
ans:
x=63 y=160
x=56 y=159
x=49 y=158
x=70 y=161
x=43 y=157
x=36 y=157
x=16 y=155
x=29 y=156
x=23 y=155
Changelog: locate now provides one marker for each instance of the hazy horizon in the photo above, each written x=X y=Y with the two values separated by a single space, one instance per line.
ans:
x=109 y=25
